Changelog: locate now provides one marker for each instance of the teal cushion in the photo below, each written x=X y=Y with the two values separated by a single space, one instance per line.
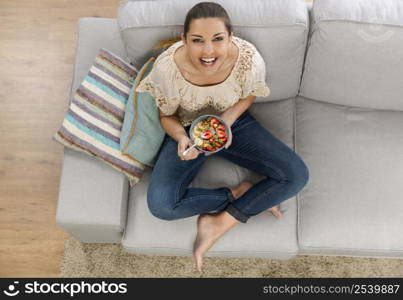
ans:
x=142 y=134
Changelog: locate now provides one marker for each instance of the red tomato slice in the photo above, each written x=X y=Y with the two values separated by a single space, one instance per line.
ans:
x=221 y=127
x=206 y=134
x=221 y=134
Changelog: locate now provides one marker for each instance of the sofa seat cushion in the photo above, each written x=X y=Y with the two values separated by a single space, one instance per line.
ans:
x=353 y=202
x=262 y=236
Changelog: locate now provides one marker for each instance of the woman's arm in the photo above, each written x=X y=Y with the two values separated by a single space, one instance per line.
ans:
x=233 y=113
x=175 y=129
x=172 y=126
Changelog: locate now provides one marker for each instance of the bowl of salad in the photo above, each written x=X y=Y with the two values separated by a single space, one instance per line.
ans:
x=209 y=133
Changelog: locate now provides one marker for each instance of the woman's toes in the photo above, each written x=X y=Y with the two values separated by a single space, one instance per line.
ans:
x=199 y=261
x=275 y=211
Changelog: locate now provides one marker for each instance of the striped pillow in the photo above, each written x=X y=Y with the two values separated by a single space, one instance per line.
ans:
x=95 y=117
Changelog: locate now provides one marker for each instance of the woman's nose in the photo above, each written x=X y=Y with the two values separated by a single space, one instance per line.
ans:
x=208 y=49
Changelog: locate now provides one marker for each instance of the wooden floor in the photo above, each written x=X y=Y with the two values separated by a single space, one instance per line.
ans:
x=37 y=45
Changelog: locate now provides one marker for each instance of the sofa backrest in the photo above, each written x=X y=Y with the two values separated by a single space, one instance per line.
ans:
x=278 y=29
x=355 y=54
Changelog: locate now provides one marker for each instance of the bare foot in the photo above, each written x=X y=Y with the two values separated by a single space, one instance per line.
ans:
x=275 y=211
x=206 y=236
x=210 y=227
x=241 y=189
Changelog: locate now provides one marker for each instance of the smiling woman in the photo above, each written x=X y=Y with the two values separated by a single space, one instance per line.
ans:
x=209 y=71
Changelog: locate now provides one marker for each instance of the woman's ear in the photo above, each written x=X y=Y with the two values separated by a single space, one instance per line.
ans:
x=183 y=38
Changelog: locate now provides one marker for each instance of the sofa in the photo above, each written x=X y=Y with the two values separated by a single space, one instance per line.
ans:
x=335 y=72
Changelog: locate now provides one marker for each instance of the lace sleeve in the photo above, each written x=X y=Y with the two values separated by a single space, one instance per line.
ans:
x=157 y=85
x=256 y=80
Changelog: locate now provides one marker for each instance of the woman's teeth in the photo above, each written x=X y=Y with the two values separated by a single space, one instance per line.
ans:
x=208 y=61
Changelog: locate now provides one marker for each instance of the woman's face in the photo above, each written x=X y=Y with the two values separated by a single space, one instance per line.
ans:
x=207 y=44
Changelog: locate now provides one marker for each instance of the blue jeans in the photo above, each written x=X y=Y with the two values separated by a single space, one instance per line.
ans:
x=254 y=148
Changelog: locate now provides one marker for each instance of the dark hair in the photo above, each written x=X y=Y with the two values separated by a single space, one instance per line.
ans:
x=207 y=10
x=199 y=11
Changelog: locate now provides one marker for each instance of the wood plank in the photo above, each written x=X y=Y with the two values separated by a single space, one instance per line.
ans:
x=38 y=41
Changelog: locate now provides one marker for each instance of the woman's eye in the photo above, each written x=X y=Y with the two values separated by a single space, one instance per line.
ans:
x=199 y=40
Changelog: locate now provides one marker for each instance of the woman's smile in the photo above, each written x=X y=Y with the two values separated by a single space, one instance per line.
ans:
x=208 y=62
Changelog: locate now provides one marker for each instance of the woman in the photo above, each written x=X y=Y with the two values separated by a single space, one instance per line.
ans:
x=211 y=71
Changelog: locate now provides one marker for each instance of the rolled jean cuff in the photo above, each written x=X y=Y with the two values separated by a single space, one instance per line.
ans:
x=233 y=211
x=230 y=197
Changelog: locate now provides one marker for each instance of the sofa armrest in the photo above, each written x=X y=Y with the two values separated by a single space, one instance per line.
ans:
x=92 y=204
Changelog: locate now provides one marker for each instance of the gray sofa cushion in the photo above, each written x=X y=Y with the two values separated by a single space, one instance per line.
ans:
x=277 y=28
x=353 y=202
x=262 y=236
x=92 y=203
x=355 y=54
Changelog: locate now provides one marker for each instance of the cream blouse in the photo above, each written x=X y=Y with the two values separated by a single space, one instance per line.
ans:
x=175 y=95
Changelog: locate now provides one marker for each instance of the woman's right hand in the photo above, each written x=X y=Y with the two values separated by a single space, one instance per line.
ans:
x=184 y=143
